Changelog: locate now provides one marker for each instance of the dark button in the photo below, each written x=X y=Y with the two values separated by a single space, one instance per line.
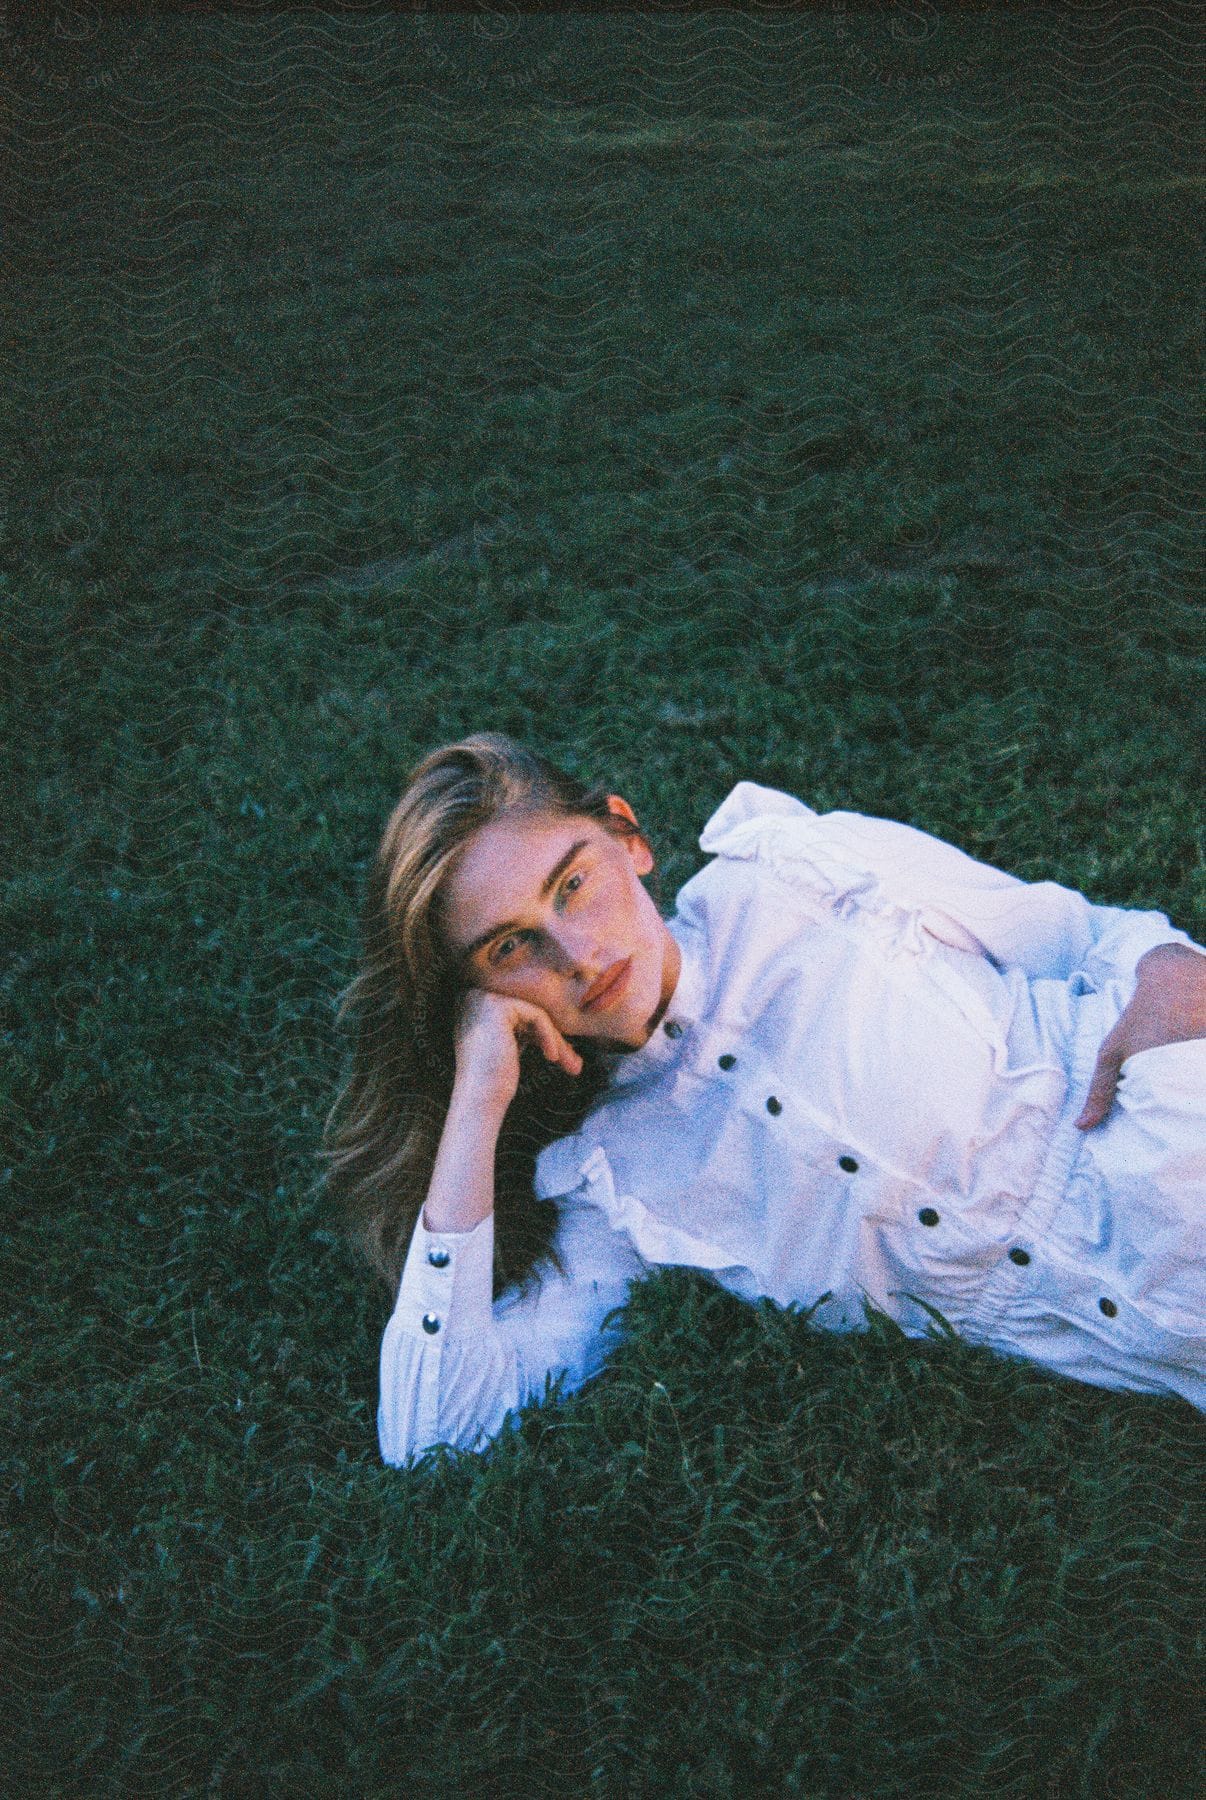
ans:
x=848 y=1163
x=1019 y=1256
x=928 y=1216
x=727 y=1060
x=438 y=1258
x=773 y=1105
x=1107 y=1307
x=430 y=1322
x=672 y=1028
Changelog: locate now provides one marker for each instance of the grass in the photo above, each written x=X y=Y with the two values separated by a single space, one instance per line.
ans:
x=697 y=399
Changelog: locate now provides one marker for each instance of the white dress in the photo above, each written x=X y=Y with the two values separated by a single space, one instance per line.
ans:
x=863 y=1088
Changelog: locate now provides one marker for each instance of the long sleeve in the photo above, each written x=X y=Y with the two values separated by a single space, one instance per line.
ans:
x=1040 y=927
x=454 y=1364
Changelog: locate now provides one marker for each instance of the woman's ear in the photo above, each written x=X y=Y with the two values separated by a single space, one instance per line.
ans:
x=639 y=845
x=622 y=807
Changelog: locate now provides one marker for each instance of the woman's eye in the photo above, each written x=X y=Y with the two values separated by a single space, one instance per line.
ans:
x=569 y=887
x=510 y=947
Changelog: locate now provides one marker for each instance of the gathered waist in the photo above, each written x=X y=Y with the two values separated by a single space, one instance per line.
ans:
x=1074 y=1019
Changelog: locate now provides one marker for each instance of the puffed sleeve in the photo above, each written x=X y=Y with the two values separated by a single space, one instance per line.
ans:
x=1038 y=926
x=454 y=1364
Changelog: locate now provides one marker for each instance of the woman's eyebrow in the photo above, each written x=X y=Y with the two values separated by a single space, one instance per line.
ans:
x=550 y=881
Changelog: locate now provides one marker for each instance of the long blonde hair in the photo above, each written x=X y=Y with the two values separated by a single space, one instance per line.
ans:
x=382 y=1133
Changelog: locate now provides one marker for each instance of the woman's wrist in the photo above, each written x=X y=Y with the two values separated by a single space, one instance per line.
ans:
x=473 y=1100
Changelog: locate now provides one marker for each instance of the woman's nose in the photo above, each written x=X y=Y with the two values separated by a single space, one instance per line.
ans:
x=575 y=952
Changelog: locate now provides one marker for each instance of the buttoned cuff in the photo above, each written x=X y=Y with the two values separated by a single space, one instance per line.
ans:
x=447 y=1282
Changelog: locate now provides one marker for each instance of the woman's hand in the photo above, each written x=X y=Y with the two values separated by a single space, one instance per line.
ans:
x=491 y=1030
x=1167 y=1007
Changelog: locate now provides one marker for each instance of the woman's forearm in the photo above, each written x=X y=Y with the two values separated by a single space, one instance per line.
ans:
x=461 y=1191
x=1176 y=974
x=1168 y=1006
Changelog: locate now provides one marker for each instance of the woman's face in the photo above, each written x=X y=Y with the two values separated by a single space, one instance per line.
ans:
x=541 y=908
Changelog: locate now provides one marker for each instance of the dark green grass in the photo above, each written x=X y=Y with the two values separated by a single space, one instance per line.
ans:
x=698 y=399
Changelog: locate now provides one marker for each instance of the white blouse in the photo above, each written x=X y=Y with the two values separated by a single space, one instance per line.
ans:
x=864 y=1087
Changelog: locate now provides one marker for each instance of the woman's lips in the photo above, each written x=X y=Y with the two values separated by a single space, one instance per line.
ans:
x=613 y=990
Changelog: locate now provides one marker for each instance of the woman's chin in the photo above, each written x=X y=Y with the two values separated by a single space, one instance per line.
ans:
x=618 y=1028
x=622 y=1037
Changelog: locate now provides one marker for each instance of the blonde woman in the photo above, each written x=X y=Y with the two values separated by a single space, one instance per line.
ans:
x=855 y=1065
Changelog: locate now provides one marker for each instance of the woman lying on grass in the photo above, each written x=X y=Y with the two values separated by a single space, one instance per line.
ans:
x=855 y=1065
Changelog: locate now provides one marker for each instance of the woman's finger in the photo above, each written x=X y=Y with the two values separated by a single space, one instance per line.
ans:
x=1102 y=1088
x=554 y=1045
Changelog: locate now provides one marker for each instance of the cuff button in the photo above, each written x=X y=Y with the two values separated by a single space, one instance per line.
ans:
x=430 y=1323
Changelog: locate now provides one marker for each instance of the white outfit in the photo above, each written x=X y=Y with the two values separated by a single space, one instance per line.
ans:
x=864 y=1085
